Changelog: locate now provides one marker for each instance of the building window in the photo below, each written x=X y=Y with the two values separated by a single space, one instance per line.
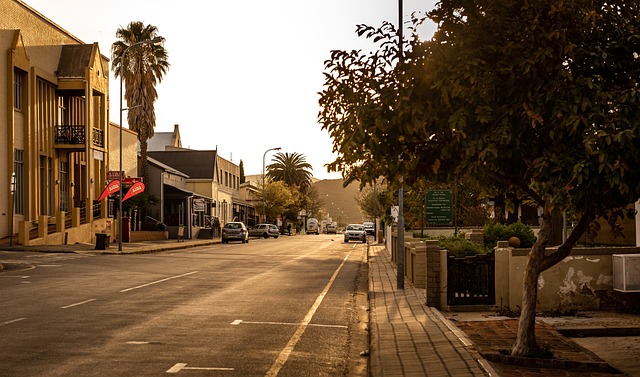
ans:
x=64 y=186
x=43 y=185
x=18 y=88
x=18 y=168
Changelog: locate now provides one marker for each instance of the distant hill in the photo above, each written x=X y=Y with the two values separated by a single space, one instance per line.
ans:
x=340 y=202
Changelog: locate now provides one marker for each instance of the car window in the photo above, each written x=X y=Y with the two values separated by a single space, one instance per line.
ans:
x=233 y=226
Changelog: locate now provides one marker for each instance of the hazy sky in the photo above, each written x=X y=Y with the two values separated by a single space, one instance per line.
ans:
x=245 y=74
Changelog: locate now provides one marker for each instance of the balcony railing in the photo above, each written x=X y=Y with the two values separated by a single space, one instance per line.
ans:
x=70 y=134
x=75 y=135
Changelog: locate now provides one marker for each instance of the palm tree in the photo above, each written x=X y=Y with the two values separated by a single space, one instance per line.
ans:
x=143 y=67
x=292 y=169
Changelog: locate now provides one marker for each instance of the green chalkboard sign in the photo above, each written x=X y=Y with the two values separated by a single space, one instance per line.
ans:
x=439 y=207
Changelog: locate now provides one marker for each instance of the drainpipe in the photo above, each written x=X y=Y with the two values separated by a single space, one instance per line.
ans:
x=162 y=197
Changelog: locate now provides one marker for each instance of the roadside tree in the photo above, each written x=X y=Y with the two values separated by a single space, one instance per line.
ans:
x=142 y=69
x=291 y=168
x=536 y=99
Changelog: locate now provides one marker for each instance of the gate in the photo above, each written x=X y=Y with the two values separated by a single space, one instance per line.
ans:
x=470 y=280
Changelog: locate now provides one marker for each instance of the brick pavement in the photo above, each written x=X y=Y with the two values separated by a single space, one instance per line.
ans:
x=409 y=338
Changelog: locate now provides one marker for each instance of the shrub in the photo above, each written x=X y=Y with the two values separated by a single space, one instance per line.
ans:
x=500 y=232
x=523 y=232
x=461 y=247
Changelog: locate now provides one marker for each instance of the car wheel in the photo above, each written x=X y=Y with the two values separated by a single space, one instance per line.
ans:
x=275 y=237
x=265 y=235
x=364 y=241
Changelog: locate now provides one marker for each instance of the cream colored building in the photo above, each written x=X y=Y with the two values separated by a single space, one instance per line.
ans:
x=54 y=112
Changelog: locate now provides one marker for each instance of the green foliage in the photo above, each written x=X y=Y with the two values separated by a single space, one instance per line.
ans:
x=457 y=246
x=291 y=168
x=494 y=232
x=461 y=247
x=141 y=66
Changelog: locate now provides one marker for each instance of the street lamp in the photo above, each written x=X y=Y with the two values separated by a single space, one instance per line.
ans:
x=155 y=41
x=264 y=200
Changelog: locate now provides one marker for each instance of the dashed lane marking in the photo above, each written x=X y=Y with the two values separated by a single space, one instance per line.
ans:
x=239 y=321
x=12 y=321
x=159 y=281
x=77 y=304
x=183 y=366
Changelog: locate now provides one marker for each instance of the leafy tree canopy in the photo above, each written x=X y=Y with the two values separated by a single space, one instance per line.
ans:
x=537 y=98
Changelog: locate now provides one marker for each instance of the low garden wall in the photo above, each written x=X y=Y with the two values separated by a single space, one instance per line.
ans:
x=138 y=236
x=583 y=280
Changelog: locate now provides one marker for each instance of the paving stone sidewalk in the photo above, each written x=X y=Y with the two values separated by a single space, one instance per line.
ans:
x=409 y=338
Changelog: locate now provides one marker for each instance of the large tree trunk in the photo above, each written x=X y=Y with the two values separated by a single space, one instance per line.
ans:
x=143 y=161
x=526 y=338
x=538 y=262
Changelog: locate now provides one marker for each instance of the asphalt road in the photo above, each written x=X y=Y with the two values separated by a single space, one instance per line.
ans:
x=292 y=306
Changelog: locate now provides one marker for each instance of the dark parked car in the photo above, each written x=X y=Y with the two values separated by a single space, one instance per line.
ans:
x=265 y=230
x=235 y=231
x=355 y=232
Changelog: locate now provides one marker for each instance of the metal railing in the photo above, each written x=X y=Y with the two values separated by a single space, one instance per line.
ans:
x=74 y=134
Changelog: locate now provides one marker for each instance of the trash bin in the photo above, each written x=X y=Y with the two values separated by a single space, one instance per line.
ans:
x=102 y=241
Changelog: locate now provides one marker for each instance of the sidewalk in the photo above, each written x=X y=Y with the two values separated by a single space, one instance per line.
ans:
x=407 y=337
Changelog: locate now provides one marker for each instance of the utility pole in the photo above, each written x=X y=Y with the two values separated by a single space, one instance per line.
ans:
x=400 y=258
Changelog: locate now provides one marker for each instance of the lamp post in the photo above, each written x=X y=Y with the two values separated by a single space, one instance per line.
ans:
x=155 y=41
x=264 y=200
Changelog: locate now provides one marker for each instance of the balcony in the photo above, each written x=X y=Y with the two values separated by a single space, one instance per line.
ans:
x=73 y=137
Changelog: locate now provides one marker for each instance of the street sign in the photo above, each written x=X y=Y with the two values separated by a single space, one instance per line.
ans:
x=439 y=207
x=113 y=175
x=198 y=205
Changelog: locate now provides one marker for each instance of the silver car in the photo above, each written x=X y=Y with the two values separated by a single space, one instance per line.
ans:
x=264 y=230
x=235 y=230
x=355 y=232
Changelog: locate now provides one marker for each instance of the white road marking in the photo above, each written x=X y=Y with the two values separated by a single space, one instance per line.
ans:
x=12 y=321
x=159 y=281
x=239 y=321
x=137 y=342
x=183 y=366
x=16 y=277
x=77 y=304
x=49 y=265
x=288 y=349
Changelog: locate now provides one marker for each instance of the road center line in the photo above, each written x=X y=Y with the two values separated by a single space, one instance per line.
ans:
x=77 y=304
x=288 y=349
x=159 y=281
x=12 y=321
